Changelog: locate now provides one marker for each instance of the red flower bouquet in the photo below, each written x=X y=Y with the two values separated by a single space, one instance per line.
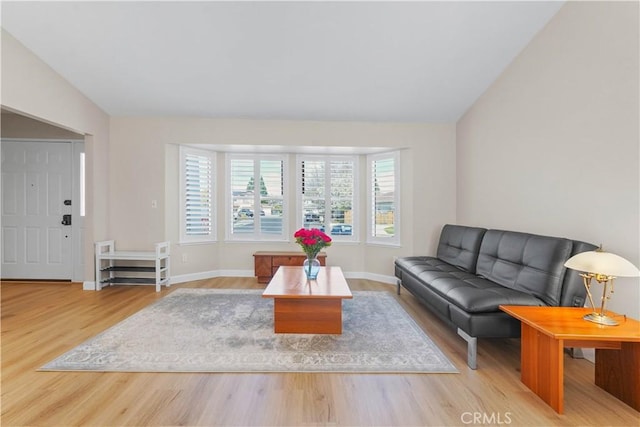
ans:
x=312 y=241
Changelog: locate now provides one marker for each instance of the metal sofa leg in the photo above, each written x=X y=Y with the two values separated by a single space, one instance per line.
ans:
x=398 y=282
x=472 y=348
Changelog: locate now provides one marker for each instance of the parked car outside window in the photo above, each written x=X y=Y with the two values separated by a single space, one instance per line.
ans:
x=244 y=213
x=342 y=229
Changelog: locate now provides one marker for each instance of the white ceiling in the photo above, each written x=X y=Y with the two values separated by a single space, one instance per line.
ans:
x=370 y=61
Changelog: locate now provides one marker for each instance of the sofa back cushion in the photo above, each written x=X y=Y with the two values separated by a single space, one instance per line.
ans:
x=459 y=246
x=525 y=262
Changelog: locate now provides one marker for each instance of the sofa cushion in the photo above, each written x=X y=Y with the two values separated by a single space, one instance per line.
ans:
x=477 y=295
x=525 y=262
x=459 y=246
x=463 y=289
x=417 y=265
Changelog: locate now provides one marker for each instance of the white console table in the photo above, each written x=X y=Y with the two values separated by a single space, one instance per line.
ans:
x=132 y=267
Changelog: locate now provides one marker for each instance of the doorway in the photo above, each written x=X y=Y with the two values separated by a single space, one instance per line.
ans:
x=42 y=219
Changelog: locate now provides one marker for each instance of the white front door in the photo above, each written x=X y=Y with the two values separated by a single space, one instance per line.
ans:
x=36 y=197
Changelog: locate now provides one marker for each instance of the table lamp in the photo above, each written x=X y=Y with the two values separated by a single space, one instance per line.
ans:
x=604 y=267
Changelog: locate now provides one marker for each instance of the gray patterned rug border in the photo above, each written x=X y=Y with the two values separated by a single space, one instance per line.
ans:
x=231 y=330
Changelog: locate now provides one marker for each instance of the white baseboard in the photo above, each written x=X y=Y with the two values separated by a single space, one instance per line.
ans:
x=589 y=354
x=182 y=278
x=249 y=273
x=370 y=276
x=391 y=280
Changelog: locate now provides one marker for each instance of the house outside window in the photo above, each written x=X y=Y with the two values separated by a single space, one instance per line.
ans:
x=256 y=202
x=197 y=196
x=327 y=195
x=384 y=198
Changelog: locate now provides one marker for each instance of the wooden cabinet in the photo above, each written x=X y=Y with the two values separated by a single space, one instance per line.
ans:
x=266 y=263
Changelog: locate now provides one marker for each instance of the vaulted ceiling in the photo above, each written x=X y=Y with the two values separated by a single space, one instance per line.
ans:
x=370 y=61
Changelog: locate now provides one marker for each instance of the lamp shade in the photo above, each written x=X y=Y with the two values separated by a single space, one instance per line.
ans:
x=601 y=262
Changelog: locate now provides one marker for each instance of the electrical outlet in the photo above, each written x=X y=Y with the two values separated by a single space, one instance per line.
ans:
x=154 y=204
x=184 y=257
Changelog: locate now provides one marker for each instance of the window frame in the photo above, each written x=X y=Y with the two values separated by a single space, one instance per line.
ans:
x=211 y=156
x=257 y=235
x=371 y=212
x=356 y=191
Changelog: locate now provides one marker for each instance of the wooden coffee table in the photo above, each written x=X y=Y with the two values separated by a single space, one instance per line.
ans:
x=307 y=307
x=547 y=330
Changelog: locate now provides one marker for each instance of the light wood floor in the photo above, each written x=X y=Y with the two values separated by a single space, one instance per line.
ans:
x=40 y=321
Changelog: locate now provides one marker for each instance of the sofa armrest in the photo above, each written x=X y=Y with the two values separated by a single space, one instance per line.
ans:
x=573 y=290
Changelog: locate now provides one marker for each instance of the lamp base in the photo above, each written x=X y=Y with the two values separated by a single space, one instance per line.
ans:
x=601 y=319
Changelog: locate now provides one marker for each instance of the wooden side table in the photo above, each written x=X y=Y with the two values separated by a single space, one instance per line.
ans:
x=547 y=330
x=266 y=263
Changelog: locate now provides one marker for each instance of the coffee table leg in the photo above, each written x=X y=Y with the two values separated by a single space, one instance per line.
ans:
x=542 y=366
x=618 y=372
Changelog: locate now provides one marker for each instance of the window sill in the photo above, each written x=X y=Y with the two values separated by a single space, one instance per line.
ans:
x=383 y=244
x=255 y=241
x=203 y=242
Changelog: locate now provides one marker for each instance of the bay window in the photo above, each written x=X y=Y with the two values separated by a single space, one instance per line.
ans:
x=383 y=176
x=256 y=190
x=327 y=195
x=197 y=195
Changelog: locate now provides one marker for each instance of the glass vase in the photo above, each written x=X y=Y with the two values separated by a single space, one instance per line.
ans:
x=311 y=267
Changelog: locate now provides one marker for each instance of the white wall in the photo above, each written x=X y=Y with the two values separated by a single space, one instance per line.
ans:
x=553 y=146
x=555 y=134
x=144 y=167
x=30 y=87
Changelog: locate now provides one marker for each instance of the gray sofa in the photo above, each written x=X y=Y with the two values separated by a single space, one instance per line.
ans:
x=476 y=270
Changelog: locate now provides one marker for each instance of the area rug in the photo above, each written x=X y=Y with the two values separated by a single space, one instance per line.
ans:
x=222 y=330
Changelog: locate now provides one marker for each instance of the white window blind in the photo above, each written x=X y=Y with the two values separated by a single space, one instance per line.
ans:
x=197 y=195
x=327 y=195
x=383 y=212
x=256 y=191
x=271 y=197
